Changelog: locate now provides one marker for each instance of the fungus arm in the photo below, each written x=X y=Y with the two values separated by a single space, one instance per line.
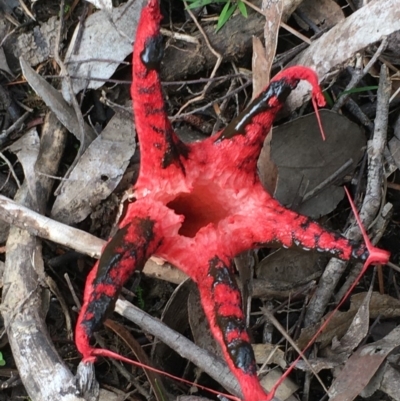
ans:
x=127 y=251
x=222 y=305
x=160 y=148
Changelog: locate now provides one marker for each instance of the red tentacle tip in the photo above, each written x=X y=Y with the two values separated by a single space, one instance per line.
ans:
x=376 y=256
x=300 y=72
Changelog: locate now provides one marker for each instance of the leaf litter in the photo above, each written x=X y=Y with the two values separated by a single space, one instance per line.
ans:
x=77 y=203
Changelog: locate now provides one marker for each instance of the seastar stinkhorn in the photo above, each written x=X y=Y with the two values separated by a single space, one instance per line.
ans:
x=199 y=205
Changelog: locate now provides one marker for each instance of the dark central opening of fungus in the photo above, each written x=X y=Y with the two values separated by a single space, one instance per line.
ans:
x=200 y=208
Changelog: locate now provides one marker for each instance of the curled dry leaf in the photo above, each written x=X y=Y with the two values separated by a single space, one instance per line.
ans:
x=261 y=67
x=175 y=316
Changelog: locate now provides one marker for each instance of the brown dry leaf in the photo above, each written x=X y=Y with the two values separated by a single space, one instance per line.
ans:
x=271 y=353
x=357 y=331
x=304 y=160
x=323 y=13
x=97 y=173
x=361 y=367
x=289 y=6
x=175 y=316
x=381 y=305
x=261 y=66
x=267 y=170
x=199 y=325
x=285 y=390
x=153 y=377
x=289 y=266
x=263 y=57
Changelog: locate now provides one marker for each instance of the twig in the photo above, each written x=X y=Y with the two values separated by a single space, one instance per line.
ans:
x=233 y=92
x=371 y=204
x=11 y=169
x=359 y=74
x=26 y=10
x=184 y=347
x=43 y=372
x=75 y=105
x=282 y=24
x=44 y=227
x=270 y=316
x=332 y=178
x=4 y=134
x=72 y=291
x=216 y=66
x=179 y=36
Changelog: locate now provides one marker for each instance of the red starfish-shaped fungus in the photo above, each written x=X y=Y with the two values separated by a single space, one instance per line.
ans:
x=198 y=205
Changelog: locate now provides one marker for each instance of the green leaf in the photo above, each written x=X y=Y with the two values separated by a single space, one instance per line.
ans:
x=242 y=8
x=358 y=90
x=202 y=3
x=328 y=98
x=226 y=13
x=2 y=361
x=198 y=3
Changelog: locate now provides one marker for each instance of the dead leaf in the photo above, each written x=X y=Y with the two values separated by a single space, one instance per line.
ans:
x=289 y=6
x=381 y=305
x=361 y=367
x=271 y=353
x=102 y=4
x=391 y=382
x=199 y=325
x=175 y=316
x=261 y=66
x=53 y=99
x=304 y=159
x=357 y=331
x=323 y=13
x=289 y=266
x=153 y=377
x=27 y=150
x=335 y=48
x=97 y=173
x=37 y=46
x=107 y=36
x=3 y=63
x=285 y=390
